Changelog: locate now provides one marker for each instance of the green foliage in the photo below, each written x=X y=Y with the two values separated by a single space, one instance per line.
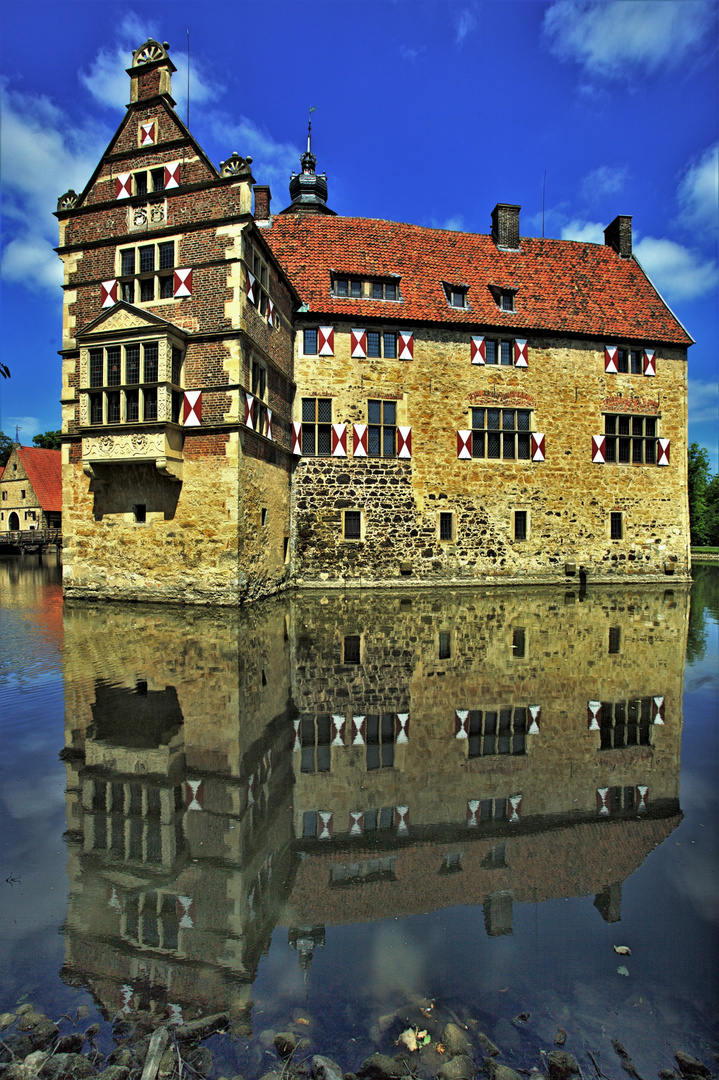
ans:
x=49 y=440
x=6 y=445
x=698 y=480
x=704 y=599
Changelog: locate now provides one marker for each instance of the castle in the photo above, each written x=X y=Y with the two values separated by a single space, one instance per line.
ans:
x=252 y=400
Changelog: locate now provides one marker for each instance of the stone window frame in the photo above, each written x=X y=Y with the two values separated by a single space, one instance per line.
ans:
x=161 y=277
x=362 y=526
x=167 y=392
x=637 y=445
x=629 y=361
x=386 y=432
x=498 y=342
x=520 y=643
x=387 y=343
x=616 y=525
x=527 y=524
x=359 y=638
x=446 y=643
x=321 y=428
x=521 y=437
x=443 y=516
x=614 y=644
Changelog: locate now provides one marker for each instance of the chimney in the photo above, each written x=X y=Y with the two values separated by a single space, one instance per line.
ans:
x=505 y=226
x=263 y=196
x=618 y=235
x=151 y=72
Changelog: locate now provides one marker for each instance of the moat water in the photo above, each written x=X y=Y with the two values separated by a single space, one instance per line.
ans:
x=329 y=812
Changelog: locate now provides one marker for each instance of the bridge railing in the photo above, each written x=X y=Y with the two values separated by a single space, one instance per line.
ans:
x=31 y=537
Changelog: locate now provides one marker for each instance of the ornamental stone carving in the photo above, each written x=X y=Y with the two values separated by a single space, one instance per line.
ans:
x=150 y=52
x=235 y=166
x=140 y=217
x=132 y=446
x=68 y=200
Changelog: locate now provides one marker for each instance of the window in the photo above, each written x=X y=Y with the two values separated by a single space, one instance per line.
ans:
x=351 y=650
x=127 y=385
x=444 y=650
x=316 y=427
x=381 y=343
x=616 y=530
x=362 y=873
x=497 y=731
x=381 y=428
x=309 y=342
x=456 y=295
x=451 y=862
x=140 y=512
x=362 y=289
x=631 y=440
x=519 y=642
x=625 y=723
x=315 y=739
x=630 y=361
x=501 y=434
x=381 y=819
x=353 y=524
x=258 y=385
x=446 y=525
x=520 y=525
x=615 y=639
x=22 y=493
x=379 y=738
x=499 y=351
x=146 y=272
x=506 y=300
x=258 y=293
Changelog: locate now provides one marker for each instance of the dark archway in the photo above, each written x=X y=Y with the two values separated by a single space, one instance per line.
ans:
x=13 y=522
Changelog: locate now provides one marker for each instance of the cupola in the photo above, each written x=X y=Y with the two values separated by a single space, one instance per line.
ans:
x=308 y=189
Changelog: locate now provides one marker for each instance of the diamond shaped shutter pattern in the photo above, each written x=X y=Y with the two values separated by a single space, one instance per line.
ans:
x=472 y=808
x=182 y=283
x=194 y=794
x=109 y=293
x=296 y=438
x=538 y=446
x=464 y=445
x=406 y=345
x=270 y=312
x=123 y=185
x=610 y=359
x=520 y=353
x=359 y=343
x=356 y=822
x=599 y=449
x=650 y=363
x=192 y=408
x=147 y=133
x=324 y=825
x=658 y=710
x=662 y=451
x=251 y=288
x=359 y=730
x=339 y=724
x=269 y=424
x=401 y=820
x=185 y=912
x=477 y=350
x=461 y=723
x=594 y=709
x=402 y=728
x=404 y=442
x=249 y=410
x=297 y=745
x=535 y=714
x=603 y=801
x=339 y=440
x=515 y=809
x=172 y=174
x=326 y=340
x=642 y=798
x=359 y=440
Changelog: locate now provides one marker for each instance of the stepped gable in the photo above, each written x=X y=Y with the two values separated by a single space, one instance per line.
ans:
x=561 y=286
x=44 y=471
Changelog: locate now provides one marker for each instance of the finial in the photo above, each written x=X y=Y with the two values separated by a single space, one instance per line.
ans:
x=313 y=108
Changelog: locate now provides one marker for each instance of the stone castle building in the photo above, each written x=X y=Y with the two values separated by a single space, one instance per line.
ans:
x=252 y=400
x=31 y=490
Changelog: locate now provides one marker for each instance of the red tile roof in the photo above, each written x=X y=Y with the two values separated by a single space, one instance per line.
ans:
x=562 y=286
x=44 y=471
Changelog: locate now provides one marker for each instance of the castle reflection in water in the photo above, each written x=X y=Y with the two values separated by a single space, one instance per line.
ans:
x=325 y=758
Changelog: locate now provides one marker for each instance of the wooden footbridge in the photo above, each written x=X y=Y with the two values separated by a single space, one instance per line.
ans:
x=30 y=541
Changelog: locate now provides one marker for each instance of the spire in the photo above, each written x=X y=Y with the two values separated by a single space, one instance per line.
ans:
x=308 y=189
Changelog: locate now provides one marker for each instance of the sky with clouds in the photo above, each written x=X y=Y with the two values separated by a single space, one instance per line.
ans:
x=425 y=112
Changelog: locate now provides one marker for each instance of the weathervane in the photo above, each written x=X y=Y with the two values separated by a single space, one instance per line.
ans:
x=313 y=108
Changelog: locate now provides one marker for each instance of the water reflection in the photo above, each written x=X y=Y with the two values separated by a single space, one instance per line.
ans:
x=324 y=760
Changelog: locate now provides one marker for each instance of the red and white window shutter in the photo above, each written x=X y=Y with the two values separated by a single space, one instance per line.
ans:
x=324 y=825
x=182 y=283
x=249 y=410
x=109 y=293
x=650 y=362
x=148 y=133
x=297 y=438
x=658 y=710
x=464 y=445
x=401 y=731
x=538 y=446
x=515 y=809
x=406 y=345
x=520 y=353
x=610 y=359
x=535 y=715
x=599 y=449
x=461 y=723
x=270 y=312
x=594 y=711
x=339 y=725
x=339 y=440
x=172 y=174
x=251 y=288
x=359 y=440
x=359 y=343
x=404 y=442
x=356 y=822
x=662 y=451
x=192 y=408
x=268 y=433
x=401 y=820
x=123 y=185
x=326 y=342
x=477 y=350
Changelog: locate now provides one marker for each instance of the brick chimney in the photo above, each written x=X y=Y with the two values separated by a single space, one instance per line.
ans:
x=151 y=72
x=263 y=197
x=618 y=235
x=505 y=226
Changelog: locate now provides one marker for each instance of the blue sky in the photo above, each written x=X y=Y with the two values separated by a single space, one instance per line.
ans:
x=426 y=112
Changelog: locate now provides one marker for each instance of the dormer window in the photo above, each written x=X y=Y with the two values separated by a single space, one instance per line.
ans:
x=362 y=289
x=504 y=298
x=456 y=295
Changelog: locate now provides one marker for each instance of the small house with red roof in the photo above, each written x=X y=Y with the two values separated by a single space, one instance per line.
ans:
x=253 y=400
x=31 y=490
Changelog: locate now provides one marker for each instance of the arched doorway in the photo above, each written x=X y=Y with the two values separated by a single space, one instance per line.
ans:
x=13 y=522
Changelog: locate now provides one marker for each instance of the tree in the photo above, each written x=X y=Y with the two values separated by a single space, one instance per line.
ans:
x=712 y=500
x=48 y=440
x=6 y=445
x=698 y=480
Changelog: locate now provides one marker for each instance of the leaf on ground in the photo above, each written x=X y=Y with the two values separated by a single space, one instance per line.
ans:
x=623 y=950
x=413 y=1039
x=621 y=970
x=301 y=1020
x=440 y=1048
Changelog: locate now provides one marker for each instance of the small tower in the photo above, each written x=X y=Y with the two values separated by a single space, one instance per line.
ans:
x=308 y=189
x=151 y=72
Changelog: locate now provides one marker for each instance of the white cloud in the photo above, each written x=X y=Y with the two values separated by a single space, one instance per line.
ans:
x=604 y=180
x=464 y=23
x=452 y=224
x=271 y=160
x=618 y=37
x=677 y=272
x=588 y=232
x=31 y=261
x=411 y=52
x=698 y=191
x=703 y=401
x=108 y=82
x=27 y=427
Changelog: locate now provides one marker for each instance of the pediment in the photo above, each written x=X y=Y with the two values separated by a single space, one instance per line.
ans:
x=125 y=318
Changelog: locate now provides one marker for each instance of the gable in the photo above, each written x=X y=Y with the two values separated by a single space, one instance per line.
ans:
x=122 y=317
